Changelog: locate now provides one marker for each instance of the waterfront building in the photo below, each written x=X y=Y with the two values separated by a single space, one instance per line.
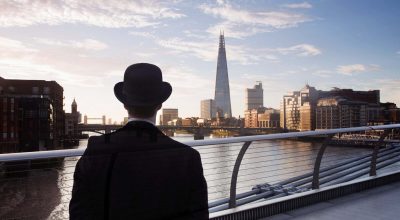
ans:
x=207 y=109
x=168 y=114
x=251 y=117
x=268 y=119
x=262 y=117
x=222 y=93
x=308 y=100
x=187 y=122
x=297 y=109
x=254 y=97
x=38 y=107
x=9 y=129
x=390 y=113
x=290 y=112
x=338 y=112
x=337 y=108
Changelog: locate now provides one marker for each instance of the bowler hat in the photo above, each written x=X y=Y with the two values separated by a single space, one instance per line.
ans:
x=142 y=86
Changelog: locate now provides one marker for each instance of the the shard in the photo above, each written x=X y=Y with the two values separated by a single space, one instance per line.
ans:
x=222 y=94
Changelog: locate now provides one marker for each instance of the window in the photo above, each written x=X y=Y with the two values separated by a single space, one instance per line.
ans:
x=46 y=90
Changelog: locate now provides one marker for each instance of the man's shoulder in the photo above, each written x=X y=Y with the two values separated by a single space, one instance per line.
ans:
x=124 y=141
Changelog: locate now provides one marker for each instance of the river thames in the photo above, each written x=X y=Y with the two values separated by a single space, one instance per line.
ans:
x=44 y=192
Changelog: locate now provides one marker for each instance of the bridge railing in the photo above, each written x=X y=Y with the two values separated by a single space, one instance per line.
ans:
x=238 y=170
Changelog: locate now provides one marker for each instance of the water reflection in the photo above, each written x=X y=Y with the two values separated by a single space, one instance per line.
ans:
x=32 y=194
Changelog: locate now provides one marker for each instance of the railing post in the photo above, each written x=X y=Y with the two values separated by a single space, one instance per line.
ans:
x=235 y=172
x=374 y=158
x=317 y=165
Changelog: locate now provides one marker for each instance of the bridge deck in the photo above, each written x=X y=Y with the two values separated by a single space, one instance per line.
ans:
x=377 y=203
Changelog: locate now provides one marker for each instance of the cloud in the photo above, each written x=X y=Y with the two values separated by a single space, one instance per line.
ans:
x=323 y=73
x=19 y=59
x=13 y=47
x=142 y=34
x=16 y=68
x=240 y=23
x=86 y=44
x=208 y=51
x=357 y=68
x=300 y=50
x=101 y=13
x=303 y=5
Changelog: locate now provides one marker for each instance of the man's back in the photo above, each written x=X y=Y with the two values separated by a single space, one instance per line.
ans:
x=137 y=172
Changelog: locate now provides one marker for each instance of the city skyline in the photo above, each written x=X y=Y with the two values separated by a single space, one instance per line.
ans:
x=283 y=44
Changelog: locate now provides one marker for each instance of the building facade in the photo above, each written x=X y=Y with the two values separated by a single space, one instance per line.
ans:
x=38 y=107
x=338 y=112
x=168 y=114
x=207 y=109
x=9 y=123
x=254 y=97
x=290 y=112
x=222 y=96
x=310 y=109
x=269 y=119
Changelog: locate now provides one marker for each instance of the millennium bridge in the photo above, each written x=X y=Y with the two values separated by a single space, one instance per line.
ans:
x=249 y=177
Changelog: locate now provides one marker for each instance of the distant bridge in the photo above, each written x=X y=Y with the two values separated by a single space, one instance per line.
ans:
x=197 y=130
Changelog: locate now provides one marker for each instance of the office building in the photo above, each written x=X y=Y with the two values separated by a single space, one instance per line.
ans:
x=251 y=117
x=310 y=109
x=207 y=109
x=9 y=129
x=254 y=97
x=338 y=112
x=222 y=93
x=297 y=109
x=269 y=118
x=168 y=114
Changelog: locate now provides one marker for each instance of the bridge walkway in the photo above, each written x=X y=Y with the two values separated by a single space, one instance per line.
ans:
x=377 y=203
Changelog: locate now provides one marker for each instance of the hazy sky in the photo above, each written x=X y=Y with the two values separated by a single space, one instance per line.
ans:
x=86 y=46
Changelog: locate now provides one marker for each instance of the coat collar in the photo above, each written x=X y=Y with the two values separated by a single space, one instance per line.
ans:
x=142 y=125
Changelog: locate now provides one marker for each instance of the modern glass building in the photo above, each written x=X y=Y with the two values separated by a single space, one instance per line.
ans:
x=222 y=94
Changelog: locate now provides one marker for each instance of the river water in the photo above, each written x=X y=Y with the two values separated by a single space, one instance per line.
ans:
x=45 y=190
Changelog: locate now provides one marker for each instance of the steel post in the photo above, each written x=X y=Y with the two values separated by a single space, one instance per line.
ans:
x=317 y=165
x=372 y=171
x=235 y=172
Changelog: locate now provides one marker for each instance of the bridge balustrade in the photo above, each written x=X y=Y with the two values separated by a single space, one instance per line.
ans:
x=240 y=171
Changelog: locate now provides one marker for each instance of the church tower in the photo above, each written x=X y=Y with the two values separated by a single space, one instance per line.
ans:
x=222 y=93
x=74 y=107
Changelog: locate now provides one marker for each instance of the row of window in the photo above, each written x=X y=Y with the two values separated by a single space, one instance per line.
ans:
x=12 y=136
x=35 y=89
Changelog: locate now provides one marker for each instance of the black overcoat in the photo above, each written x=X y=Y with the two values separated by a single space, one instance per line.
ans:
x=138 y=172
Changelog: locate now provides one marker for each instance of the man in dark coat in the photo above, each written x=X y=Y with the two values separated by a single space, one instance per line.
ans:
x=137 y=172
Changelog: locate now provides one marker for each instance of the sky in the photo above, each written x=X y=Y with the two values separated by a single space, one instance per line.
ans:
x=86 y=46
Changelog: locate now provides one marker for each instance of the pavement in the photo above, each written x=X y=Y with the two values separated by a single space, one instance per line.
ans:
x=381 y=203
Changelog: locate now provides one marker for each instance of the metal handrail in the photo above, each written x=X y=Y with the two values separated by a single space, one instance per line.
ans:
x=79 y=152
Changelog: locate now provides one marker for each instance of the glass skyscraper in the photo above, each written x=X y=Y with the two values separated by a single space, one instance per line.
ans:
x=222 y=94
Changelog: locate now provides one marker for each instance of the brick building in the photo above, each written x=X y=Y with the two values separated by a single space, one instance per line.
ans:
x=32 y=115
